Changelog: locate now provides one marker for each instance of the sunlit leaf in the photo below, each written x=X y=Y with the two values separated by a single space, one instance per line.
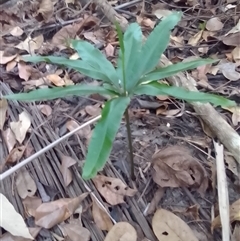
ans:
x=59 y=92
x=171 y=70
x=103 y=136
x=155 y=88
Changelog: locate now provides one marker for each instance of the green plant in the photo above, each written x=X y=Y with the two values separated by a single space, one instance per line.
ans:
x=136 y=74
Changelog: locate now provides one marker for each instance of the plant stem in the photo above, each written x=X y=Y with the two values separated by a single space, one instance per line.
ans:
x=130 y=144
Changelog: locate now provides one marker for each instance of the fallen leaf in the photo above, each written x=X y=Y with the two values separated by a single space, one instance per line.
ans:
x=30 y=45
x=11 y=65
x=100 y=217
x=55 y=79
x=30 y=204
x=25 y=185
x=112 y=189
x=3 y=112
x=169 y=227
x=235 y=29
x=231 y=40
x=146 y=22
x=15 y=155
x=49 y=214
x=6 y=59
x=214 y=24
x=24 y=70
x=162 y=13
x=75 y=232
x=9 y=139
x=175 y=167
x=45 y=109
x=93 y=110
x=122 y=231
x=16 y=31
x=21 y=127
x=12 y=221
x=46 y=8
x=67 y=162
x=236 y=233
x=194 y=40
x=235 y=114
x=234 y=215
x=236 y=54
x=109 y=50
x=231 y=164
x=228 y=69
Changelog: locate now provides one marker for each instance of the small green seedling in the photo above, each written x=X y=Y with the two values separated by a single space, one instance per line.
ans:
x=136 y=74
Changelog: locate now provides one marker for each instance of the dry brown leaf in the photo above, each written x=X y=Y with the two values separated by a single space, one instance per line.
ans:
x=109 y=50
x=100 y=217
x=194 y=40
x=169 y=227
x=55 y=79
x=234 y=215
x=24 y=70
x=12 y=221
x=67 y=162
x=93 y=110
x=30 y=205
x=46 y=8
x=231 y=40
x=112 y=189
x=231 y=164
x=214 y=24
x=3 y=112
x=235 y=29
x=16 y=31
x=236 y=54
x=228 y=69
x=49 y=214
x=75 y=232
x=235 y=114
x=11 y=65
x=122 y=231
x=15 y=155
x=146 y=22
x=236 y=233
x=21 y=127
x=45 y=109
x=6 y=59
x=175 y=167
x=30 y=45
x=9 y=139
x=25 y=185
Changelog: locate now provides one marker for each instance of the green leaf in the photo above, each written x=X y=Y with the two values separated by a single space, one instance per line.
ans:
x=153 y=48
x=161 y=73
x=155 y=88
x=93 y=56
x=59 y=92
x=132 y=42
x=79 y=65
x=103 y=136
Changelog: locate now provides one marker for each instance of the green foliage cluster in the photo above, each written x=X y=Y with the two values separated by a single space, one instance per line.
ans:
x=135 y=74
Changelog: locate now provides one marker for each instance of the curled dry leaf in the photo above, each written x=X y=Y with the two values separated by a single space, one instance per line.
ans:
x=67 y=162
x=214 y=24
x=112 y=189
x=30 y=204
x=3 y=112
x=12 y=221
x=93 y=110
x=45 y=109
x=21 y=127
x=175 y=167
x=100 y=217
x=49 y=214
x=25 y=185
x=75 y=232
x=169 y=227
x=9 y=139
x=122 y=231
x=234 y=215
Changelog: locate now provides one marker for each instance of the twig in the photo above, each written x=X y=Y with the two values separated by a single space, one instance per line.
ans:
x=42 y=151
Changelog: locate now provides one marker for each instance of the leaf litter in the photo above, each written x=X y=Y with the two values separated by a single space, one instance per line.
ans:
x=203 y=36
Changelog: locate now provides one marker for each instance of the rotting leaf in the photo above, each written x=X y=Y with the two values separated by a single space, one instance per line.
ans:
x=9 y=139
x=100 y=217
x=234 y=215
x=3 y=111
x=169 y=227
x=49 y=214
x=21 y=127
x=175 y=167
x=26 y=187
x=66 y=162
x=75 y=232
x=12 y=221
x=31 y=204
x=112 y=189
x=122 y=231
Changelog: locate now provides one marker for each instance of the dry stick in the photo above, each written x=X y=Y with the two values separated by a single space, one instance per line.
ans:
x=42 y=151
x=225 y=133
